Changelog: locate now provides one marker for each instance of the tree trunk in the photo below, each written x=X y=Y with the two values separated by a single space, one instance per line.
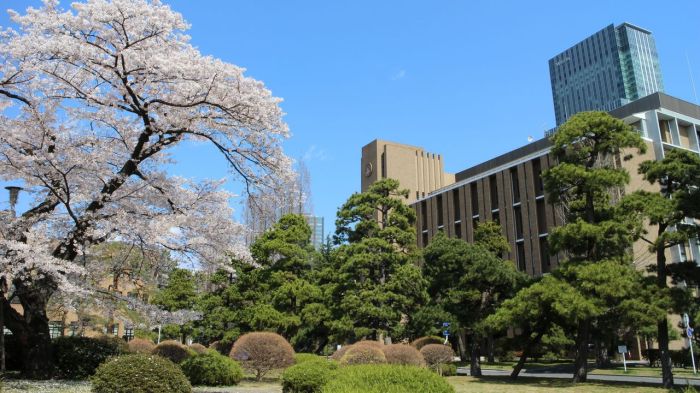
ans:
x=32 y=330
x=462 y=345
x=602 y=360
x=531 y=343
x=662 y=325
x=475 y=364
x=490 y=349
x=581 y=361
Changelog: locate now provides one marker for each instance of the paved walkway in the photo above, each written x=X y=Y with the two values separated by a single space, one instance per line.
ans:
x=678 y=380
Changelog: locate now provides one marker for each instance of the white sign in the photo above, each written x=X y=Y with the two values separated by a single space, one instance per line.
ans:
x=622 y=349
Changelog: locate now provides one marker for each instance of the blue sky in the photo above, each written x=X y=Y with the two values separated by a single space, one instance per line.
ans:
x=465 y=79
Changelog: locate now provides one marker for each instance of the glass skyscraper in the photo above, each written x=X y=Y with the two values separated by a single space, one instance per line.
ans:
x=317 y=233
x=607 y=70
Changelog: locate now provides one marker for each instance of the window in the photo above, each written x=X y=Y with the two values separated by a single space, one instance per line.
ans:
x=544 y=255
x=520 y=255
x=55 y=329
x=474 y=194
x=129 y=333
x=665 y=128
x=425 y=238
x=458 y=230
x=456 y=204
x=493 y=186
x=515 y=184
x=537 y=177
x=74 y=327
x=541 y=217
x=495 y=217
x=115 y=329
x=518 y=218
x=440 y=218
x=424 y=215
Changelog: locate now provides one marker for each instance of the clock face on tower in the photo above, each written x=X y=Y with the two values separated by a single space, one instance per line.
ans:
x=368 y=169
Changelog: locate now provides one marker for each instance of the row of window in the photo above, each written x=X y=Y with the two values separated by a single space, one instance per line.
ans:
x=493 y=193
x=57 y=329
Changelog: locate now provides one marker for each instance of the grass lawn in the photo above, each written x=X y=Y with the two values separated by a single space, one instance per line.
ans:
x=532 y=385
x=20 y=386
x=462 y=384
x=632 y=370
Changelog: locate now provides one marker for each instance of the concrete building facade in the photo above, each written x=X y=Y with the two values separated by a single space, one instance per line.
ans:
x=508 y=189
x=417 y=170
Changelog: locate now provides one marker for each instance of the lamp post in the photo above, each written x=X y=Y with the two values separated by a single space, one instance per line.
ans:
x=14 y=194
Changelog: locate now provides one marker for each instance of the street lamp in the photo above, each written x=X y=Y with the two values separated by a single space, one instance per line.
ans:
x=14 y=195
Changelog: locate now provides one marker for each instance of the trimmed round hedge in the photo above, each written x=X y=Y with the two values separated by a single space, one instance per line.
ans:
x=212 y=369
x=138 y=373
x=197 y=348
x=363 y=354
x=261 y=352
x=437 y=354
x=79 y=357
x=172 y=350
x=141 y=345
x=423 y=341
x=403 y=354
x=308 y=376
x=385 y=378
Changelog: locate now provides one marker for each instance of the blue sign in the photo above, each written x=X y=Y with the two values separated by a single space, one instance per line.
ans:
x=689 y=331
x=445 y=324
x=446 y=333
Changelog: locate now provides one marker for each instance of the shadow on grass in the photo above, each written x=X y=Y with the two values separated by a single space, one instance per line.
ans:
x=550 y=383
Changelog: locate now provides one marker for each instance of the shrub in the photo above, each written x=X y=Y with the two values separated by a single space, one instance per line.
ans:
x=139 y=373
x=423 y=341
x=140 y=345
x=308 y=376
x=261 y=352
x=172 y=350
x=653 y=356
x=437 y=354
x=386 y=378
x=221 y=347
x=212 y=369
x=403 y=354
x=79 y=357
x=337 y=355
x=197 y=348
x=447 y=369
x=307 y=357
x=363 y=354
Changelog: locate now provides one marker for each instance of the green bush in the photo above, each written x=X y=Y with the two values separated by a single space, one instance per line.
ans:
x=140 y=345
x=261 y=352
x=447 y=369
x=173 y=351
x=307 y=357
x=386 y=378
x=197 y=348
x=221 y=347
x=79 y=357
x=403 y=354
x=212 y=369
x=363 y=354
x=138 y=373
x=308 y=376
x=423 y=341
x=437 y=354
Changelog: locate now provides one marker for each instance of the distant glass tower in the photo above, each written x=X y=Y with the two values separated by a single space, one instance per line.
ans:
x=316 y=224
x=607 y=70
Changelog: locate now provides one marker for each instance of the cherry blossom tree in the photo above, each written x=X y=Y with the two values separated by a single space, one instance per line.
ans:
x=92 y=101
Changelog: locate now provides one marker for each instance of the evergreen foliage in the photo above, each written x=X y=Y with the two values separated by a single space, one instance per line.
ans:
x=373 y=277
x=137 y=373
